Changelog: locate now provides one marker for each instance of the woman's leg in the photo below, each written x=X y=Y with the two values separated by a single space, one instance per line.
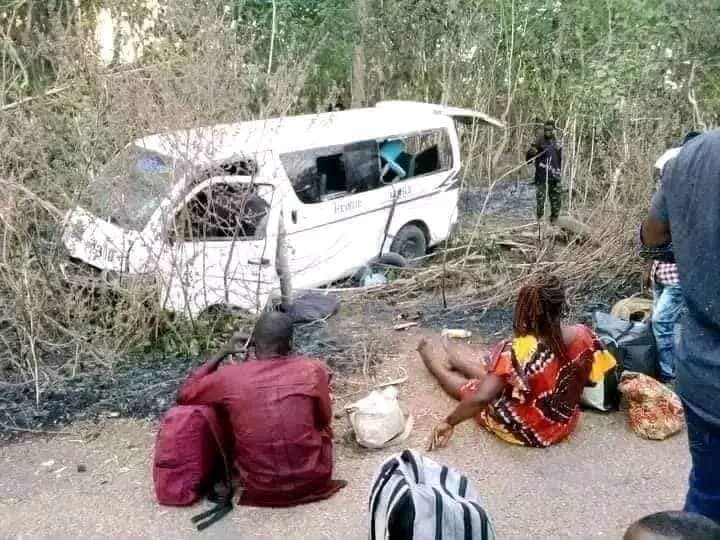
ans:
x=467 y=359
x=435 y=360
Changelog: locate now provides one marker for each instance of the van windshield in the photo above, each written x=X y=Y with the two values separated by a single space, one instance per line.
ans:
x=131 y=186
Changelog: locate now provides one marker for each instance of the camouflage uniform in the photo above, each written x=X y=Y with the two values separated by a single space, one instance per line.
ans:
x=551 y=190
x=547 y=155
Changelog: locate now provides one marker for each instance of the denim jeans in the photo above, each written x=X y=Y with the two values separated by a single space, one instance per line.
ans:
x=667 y=306
x=703 y=495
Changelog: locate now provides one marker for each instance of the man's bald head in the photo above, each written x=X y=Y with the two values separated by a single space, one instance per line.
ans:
x=273 y=334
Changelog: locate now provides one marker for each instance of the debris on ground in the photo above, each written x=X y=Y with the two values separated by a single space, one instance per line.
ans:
x=405 y=326
x=456 y=333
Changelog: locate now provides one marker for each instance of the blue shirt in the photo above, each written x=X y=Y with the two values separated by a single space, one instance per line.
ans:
x=689 y=202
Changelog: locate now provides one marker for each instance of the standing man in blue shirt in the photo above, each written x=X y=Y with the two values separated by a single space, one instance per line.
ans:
x=683 y=226
x=667 y=293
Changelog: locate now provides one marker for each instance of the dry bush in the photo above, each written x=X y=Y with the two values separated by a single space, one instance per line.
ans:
x=51 y=319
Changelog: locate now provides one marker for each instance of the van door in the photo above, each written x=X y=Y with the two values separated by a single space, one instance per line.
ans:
x=422 y=175
x=332 y=220
x=222 y=244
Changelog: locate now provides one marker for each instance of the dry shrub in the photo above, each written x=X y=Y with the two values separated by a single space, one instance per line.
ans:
x=49 y=324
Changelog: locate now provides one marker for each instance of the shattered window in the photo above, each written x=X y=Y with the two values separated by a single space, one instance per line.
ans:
x=322 y=174
x=415 y=155
x=131 y=186
x=223 y=211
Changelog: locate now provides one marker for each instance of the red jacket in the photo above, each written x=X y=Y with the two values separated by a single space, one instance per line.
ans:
x=280 y=414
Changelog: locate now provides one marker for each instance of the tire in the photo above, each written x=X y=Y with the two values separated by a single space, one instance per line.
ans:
x=390 y=259
x=410 y=243
x=381 y=265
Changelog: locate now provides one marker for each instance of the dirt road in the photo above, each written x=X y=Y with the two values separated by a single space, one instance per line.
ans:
x=590 y=487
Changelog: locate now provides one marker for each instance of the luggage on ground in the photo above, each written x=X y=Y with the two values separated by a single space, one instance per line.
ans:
x=604 y=396
x=413 y=497
x=313 y=307
x=654 y=410
x=190 y=456
x=377 y=419
x=632 y=343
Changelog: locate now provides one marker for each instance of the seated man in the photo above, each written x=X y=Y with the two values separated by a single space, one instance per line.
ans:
x=278 y=405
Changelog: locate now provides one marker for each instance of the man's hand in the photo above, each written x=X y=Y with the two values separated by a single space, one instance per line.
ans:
x=441 y=436
x=645 y=282
x=237 y=343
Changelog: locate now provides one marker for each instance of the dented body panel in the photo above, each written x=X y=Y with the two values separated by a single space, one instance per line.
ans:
x=200 y=210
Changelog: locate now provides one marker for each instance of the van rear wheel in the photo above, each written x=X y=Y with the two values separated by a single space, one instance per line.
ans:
x=410 y=243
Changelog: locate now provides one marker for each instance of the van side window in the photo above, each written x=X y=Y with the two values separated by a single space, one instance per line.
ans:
x=223 y=212
x=415 y=155
x=322 y=174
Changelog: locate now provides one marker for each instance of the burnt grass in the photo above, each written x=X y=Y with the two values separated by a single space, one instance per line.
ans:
x=353 y=341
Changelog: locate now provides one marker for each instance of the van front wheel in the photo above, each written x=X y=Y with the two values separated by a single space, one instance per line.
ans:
x=410 y=242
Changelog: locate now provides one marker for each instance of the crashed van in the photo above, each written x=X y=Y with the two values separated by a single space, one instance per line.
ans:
x=207 y=215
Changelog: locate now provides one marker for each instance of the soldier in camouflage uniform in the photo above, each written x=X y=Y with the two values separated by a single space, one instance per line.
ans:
x=547 y=155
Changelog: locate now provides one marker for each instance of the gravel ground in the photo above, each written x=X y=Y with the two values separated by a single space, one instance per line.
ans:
x=592 y=486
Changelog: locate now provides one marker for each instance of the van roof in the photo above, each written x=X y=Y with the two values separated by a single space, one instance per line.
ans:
x=222 y=142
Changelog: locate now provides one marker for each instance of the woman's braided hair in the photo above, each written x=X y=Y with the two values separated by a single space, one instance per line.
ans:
x=541 y=305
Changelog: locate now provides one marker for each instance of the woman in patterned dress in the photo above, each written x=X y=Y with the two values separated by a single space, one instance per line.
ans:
x=527 y=390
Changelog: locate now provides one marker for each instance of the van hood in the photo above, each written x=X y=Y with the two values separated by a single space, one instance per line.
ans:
x=96 y=241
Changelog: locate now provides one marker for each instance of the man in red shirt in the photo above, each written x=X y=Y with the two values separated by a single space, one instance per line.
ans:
x=278 y=405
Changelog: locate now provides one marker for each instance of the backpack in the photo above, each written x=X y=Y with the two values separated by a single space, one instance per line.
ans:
x=413 y=497
x=190 y=450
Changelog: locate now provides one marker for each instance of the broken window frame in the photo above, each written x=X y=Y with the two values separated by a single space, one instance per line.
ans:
x=178 y=224
x=311 y=158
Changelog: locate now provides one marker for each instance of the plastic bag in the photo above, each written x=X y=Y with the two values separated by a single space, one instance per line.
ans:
x=378 y=420
x=604 y=396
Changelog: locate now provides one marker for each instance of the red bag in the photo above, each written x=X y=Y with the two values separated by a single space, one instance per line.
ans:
x=190 y=453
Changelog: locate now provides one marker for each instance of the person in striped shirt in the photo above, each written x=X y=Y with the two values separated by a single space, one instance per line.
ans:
x=667 y=293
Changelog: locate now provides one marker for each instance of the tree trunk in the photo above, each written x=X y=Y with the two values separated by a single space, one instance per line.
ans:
x=282 y=267
x=359 y=97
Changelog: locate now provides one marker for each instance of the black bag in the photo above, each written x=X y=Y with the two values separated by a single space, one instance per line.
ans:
x=632 y=343
x=313 y=307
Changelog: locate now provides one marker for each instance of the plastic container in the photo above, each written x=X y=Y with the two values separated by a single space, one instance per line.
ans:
x=456 y=333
